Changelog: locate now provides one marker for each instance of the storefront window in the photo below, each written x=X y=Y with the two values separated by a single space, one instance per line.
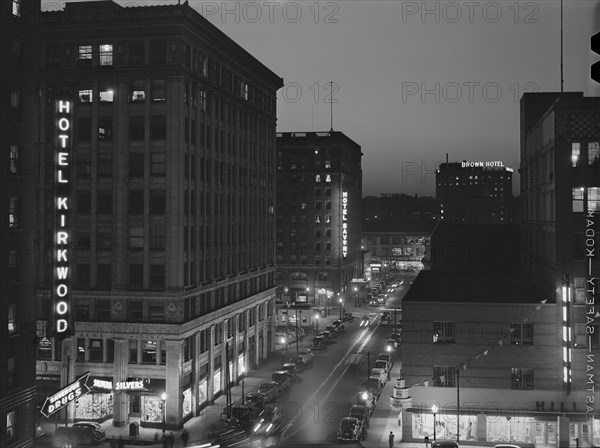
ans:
x=507 y=429
x=151 y=409
x=94 y=406
x=445 y=426
x=202 y=391
x=217 y=381
x=240 y=363
x=11 y=430
x=186 y=406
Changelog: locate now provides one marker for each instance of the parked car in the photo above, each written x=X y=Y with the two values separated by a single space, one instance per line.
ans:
x=307 y=354
x=359 y=412
x=327 y=335
x=379 y=374
x=81 y=433
x=291 y=368
x=298 y=361
x=350 y=429
x=382 y=364
x=319 y=343
x=269 y=390
x=387 y=357
x=445 y=444
x=347 y=317
x=366 y=399
x=374 y=386
x=396 y=337
x=282 y=378
x=333 y=330
x=390 y=344
x=240 y=416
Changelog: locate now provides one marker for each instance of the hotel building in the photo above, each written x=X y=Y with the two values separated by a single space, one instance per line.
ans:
x=319 y=186
x=169 y=180
x=19 y=137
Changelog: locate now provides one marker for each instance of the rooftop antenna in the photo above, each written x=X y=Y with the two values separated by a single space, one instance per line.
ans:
x=562 y=80
x=331 y=104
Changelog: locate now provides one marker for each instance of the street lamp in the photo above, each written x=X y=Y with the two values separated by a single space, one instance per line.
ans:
x=282 y=351
x=434 y=409
x=316 y=324
x=163 y=403
x=243 y=376
x=355 y=296
x=341 y=302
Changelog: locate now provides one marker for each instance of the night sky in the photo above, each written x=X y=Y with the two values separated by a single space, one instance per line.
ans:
x=381 y=55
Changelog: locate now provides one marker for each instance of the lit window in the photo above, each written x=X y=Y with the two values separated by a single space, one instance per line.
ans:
x=12 y=319
x=317 y=178
x=575 y=154
x=202 y=100
x=13 y=213
x=328 y=178
x=593 y=199
x=522 y=378
x=16 y=8
x=303 y=205
x=15 y=99
x=327 y=218
x=16 y=47
x=14 y=159
x=593 y=153
x=327 y=164
x=106 y=55
x=444 y=332
x=106 y=95
x=577 y=200
x=318 y=219
x=86 y=96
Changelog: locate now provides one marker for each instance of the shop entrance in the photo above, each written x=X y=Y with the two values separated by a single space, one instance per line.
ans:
x=134 y=405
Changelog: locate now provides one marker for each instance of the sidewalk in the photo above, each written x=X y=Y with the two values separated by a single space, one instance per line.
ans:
x=201 y=427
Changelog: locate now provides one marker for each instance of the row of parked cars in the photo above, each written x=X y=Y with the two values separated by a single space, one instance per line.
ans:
x=326 y=336
x=354 y=426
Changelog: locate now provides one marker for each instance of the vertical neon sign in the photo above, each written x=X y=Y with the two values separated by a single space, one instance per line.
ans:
x=62 y=204
x=345 y=224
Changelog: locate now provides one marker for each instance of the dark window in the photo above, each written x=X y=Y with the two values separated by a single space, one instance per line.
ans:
x=159 y=90
x=157 y=202
x=84 y=129
x=83 y=275
x=133 y=351
x=156 y=312
x=157 y=237
x=149 y=354
x=104 y=203
x=444 y=332
x=103 y=309
x=136 y=128
x=136 y=275
x=104 y=276
x=135 y=310
x=136 y=202
x=158 y=51
x=158 y=164
x=96 y=350
x=104 y=165
x=444 y=376
x=521 y=378
x=110 y=351
x=82 y=310
x=157 y=275
x=136 y=165
x=136 y=52
x=104 y=239
x=158 y=127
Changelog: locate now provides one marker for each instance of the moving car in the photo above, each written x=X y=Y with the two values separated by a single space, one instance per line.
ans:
x=81 y=433
x=268 y=421
x=350 y=429
x=282 y=378
x=269 y=390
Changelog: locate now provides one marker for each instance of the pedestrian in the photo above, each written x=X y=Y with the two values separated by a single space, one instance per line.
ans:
x=120 y=442
x=185 y=436
x=171 y=440
x=164 y=441
x=426 y=441
x=391 y=439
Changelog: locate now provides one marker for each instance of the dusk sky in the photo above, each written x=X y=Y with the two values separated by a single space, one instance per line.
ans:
x=480 y=57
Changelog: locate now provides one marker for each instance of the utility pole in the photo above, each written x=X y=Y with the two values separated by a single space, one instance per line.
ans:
x=297 y=334
x=457 y=404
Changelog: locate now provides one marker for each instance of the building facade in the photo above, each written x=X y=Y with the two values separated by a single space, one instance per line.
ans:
x=319 y=186
x=490 y=342
x=475 y=192
x=19 y=146
x=163 y=133
x=560 y=191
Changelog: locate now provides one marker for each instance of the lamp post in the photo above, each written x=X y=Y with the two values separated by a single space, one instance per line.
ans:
x=282 y=351
x=243 y=376
x=355 y=296
x=341 y=302
x=316 y=324
x=434 y=409
x=163 y=403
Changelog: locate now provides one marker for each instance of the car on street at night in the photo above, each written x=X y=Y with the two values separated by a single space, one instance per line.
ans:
x=319 y=343
x=326 y=335
x=269 y=390
x=333 y=330
x=396 y=337
x=299 y=361
x=81 y=433
x=445 y=444
x=347 y=317
x=360 y=412
x=268 y=421
x=255 y=399
x=374 y=386
x=379 y=374
x=339 y=325
x=291 y=368
x=387 y=357
x=350 y=429
x=373 y=303
x=382 y=364
x=390 y=344
x=282 y=378
x=307 y=354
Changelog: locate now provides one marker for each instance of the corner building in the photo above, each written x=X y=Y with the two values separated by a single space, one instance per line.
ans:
x=172 y=230
x=319 y=194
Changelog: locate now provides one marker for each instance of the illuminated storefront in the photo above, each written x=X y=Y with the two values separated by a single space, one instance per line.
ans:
x=445 y=426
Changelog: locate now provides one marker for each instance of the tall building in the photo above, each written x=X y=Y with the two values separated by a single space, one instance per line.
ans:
x=161 y=279
x=560 y=191
x=319 y=186
x=19 y=134
x=475 y=192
